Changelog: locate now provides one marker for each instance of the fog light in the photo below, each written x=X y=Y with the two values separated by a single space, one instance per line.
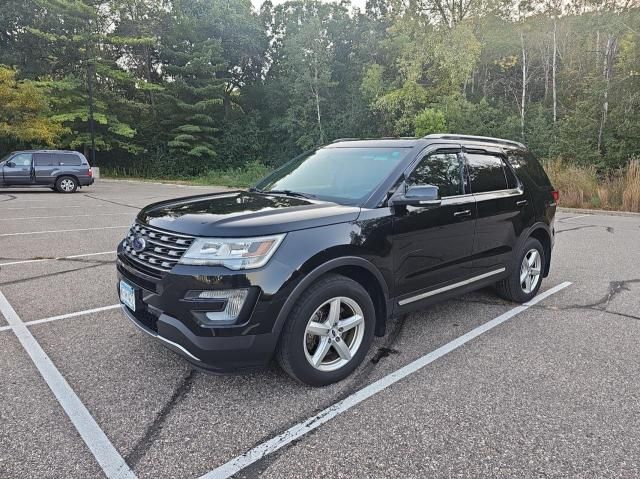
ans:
x=235 y=299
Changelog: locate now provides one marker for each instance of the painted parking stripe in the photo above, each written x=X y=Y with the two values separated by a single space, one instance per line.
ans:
x=110 y=460
x=239 y=463
x=26 y=261
x=64 y=216
x=53 y=207
x=64 y=231
x=66 y=316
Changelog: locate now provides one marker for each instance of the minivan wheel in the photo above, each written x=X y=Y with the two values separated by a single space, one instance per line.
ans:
x=328 y=331
x=66 y=184
x=524 y=281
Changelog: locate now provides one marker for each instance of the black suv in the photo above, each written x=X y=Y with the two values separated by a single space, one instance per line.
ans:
x=62 y=171
x=315 y=259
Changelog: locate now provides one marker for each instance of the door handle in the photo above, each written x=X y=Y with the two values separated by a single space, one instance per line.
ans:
x=521 y=203
x=462 y=213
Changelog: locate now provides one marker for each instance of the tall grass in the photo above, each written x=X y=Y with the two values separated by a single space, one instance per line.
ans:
x=583 y=187
x=231 y=177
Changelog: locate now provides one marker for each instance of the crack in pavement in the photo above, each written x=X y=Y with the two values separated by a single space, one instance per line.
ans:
x=93 y=264
x=112 y=202
x=609 y=229
x=151 y=434
x=11 y=197
x=615 y=288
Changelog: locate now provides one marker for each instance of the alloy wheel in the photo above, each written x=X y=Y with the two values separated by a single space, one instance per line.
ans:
x=67 y=185
x=530 y=270
x=334 y=333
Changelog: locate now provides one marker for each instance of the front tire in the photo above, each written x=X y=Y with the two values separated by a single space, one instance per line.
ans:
x=524 y=281
x=328 y=332
x=66 y=184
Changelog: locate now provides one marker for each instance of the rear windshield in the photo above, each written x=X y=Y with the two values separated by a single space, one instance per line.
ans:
x=57 y=159
x=523 y=162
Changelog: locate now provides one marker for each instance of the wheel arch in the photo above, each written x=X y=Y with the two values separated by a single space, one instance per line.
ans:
x=355 y=268
x=542 y=233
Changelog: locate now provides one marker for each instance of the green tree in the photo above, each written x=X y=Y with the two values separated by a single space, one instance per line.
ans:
x=24 y=119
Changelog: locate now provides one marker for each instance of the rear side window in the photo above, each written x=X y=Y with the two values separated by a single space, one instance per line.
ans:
x=443 y=170
x=525 y=162
x=45 y=159
x=57 y=159
x=68 y=159
x=486 y=173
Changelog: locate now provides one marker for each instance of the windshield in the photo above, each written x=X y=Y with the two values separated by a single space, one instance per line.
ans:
x=342 y=175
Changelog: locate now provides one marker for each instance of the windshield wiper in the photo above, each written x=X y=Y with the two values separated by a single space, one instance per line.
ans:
x=284 y=192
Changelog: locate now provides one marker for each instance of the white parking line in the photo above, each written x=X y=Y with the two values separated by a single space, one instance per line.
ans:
x=574 y=217
x=53 y=207
x=65 y=316
x=63 y=231
x=237 y=464
x=110 y=460
x=65 y=216
x=55 y=259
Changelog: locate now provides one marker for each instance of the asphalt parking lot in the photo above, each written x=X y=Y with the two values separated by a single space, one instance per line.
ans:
x=550 y=389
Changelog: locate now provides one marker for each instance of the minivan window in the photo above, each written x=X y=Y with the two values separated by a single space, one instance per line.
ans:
x=68 y=159
x=440 y=169
x=343 y=175
x=44 y=159
x=486 y=173
x=22 y=159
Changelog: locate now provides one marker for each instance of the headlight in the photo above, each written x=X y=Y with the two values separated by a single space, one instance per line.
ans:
x=236 y=253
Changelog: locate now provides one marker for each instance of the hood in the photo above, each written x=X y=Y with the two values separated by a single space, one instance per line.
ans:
x=241 y=214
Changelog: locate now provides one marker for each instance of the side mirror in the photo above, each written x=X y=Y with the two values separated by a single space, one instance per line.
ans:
x=423 y=196
x=11 y=164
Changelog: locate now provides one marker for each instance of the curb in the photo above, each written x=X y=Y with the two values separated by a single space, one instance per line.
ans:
x=598 y=212
x=141 y=182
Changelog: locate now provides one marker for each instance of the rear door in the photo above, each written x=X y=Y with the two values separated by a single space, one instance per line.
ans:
x=433 y=246
x=503 y=209
x=45 y=167
x=17 y=171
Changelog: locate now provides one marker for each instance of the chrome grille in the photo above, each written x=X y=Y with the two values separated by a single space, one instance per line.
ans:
x=162 y=252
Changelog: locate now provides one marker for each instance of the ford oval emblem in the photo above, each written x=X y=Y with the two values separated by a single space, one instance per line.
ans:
x=138 y=244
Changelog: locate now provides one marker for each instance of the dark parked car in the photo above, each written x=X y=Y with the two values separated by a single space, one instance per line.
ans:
x=315 y=259
x=63 y=171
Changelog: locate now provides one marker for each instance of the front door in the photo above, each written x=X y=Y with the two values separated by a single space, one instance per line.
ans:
x=17 y=171
x=433 y=246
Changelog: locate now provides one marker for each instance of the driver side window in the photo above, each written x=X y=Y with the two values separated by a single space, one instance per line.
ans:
x=23 y=159
x=443 y=170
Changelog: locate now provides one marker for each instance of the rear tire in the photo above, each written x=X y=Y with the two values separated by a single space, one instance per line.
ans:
x=524 y=281
x=66 y=184
x=328 y=332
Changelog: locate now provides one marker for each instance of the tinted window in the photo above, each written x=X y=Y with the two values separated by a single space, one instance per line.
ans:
x=512 y=181
x=45 y=159
x=344 y=175
x=67 y=159
x=442 y=170
x=486 y=173
x=525 y=162
x=22 y=159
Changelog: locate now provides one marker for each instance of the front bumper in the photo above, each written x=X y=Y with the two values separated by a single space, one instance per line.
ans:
x=245 y=344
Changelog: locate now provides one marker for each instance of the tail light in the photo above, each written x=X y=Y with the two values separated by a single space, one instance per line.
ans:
x=90 y=172
x=556 y=196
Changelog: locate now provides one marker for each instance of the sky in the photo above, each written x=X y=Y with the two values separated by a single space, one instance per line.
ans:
x=355 y=3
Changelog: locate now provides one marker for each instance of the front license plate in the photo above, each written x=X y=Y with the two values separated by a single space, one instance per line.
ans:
x=128 y=295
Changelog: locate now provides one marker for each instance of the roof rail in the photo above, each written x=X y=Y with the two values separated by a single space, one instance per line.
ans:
x=484 y=139
x=379 y=138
